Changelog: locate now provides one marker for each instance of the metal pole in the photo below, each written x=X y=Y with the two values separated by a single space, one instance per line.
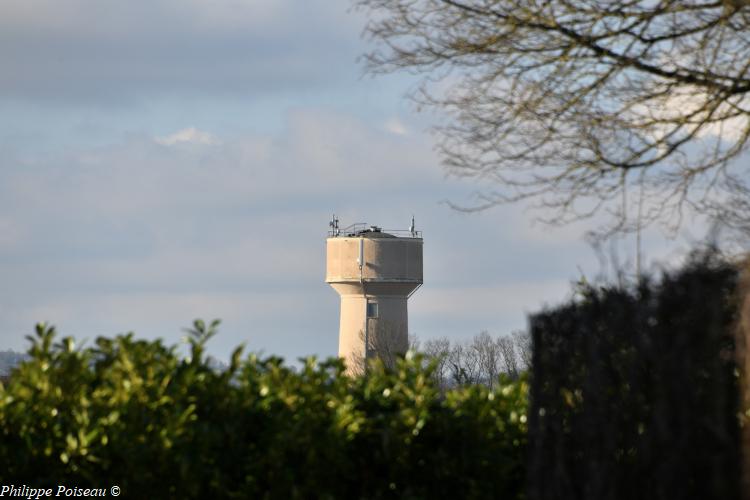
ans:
x=361 y=262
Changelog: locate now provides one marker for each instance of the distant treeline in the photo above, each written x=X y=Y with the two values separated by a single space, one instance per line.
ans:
x=479 y=360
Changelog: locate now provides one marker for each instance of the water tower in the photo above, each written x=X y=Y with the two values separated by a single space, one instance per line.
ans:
x=375 y=271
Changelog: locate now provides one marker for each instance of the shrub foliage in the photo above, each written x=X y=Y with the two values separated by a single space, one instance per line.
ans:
x=134 y=413
x=634 y=391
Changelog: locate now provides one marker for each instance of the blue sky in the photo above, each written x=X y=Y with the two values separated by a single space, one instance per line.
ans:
x=167 y=160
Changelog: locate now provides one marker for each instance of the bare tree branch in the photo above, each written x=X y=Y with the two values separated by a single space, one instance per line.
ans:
x=507 y=348
x=386 y=342
x=558 y=102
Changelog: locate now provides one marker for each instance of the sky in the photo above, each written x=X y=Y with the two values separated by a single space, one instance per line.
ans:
x=167 y=160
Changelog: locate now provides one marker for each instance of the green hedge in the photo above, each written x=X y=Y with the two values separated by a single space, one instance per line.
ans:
x=133 y=413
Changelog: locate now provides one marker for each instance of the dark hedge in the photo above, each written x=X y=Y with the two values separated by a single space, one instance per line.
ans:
x=634 y=391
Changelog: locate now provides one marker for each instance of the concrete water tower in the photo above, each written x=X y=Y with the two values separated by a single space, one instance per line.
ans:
x=375 y=271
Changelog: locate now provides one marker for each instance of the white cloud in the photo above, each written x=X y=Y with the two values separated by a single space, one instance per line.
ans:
x=693 y=102
x=188 y=135
x=396 y=126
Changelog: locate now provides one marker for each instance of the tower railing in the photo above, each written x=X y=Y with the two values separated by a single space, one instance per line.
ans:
x=362 y=229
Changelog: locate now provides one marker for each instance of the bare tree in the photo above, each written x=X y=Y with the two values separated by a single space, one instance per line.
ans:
x=633 y=108
x=463 y=365
x=507 y=348
x=437 y=350
x=479 y=360
x=414 y=343
x=522 y=342
x=488 y=356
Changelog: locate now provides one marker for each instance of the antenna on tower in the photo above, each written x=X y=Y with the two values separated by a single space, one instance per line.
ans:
x=411 y=228
x=334 y=225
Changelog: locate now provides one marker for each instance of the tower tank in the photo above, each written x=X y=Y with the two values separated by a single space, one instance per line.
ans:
x=375 y=271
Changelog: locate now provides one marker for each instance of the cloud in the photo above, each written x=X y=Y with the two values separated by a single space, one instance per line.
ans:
x=189 y=204
x=146 y=236
x=692 y=105
x=396 y=126
x=495 y=300
x=189 y=135
x=145 y=232
x=88 y=51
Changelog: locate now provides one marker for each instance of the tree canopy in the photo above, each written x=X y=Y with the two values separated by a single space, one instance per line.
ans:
x=636 y=108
